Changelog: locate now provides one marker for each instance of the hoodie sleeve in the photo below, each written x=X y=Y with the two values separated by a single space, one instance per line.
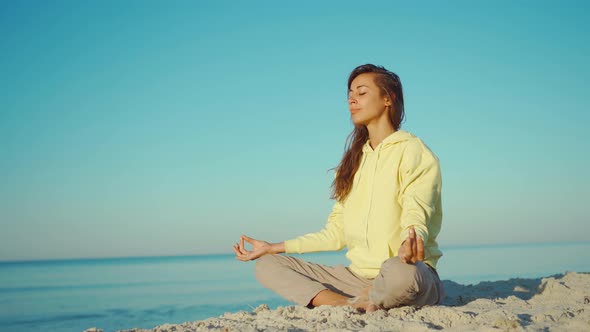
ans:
x=328 y=239
x=420 y=189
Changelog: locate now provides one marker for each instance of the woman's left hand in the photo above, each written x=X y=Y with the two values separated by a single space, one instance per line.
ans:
x=412 y=249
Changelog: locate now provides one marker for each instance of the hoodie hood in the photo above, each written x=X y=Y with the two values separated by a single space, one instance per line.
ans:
x=396 y=137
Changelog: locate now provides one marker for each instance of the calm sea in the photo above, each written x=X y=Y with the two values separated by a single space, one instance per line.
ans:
x=122 y=293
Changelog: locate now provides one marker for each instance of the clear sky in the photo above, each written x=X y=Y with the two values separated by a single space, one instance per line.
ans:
x=171 y=127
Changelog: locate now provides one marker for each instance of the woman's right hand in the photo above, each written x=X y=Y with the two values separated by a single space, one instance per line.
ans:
x=412 y=249
x=259 y=248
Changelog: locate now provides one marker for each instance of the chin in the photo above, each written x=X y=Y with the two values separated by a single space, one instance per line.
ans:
x=357 y=122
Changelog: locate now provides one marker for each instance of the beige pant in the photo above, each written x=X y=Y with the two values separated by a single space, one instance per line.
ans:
x=397 y=284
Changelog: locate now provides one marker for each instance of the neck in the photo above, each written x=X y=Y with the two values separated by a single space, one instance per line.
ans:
x=378 y=132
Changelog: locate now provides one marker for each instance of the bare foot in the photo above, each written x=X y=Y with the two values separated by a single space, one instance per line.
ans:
x=371 y=307
x=362 y=302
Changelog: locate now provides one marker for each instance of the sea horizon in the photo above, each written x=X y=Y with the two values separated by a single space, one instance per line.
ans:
x=228 y=253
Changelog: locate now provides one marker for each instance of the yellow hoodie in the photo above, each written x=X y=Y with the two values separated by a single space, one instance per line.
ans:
x=397 y=185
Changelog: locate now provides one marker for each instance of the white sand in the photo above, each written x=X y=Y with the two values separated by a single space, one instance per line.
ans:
x=558 y=303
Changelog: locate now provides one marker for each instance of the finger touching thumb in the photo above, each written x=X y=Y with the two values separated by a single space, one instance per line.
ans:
x=404 y=258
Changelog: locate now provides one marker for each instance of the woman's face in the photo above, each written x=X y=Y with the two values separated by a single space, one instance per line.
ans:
x=365 y=102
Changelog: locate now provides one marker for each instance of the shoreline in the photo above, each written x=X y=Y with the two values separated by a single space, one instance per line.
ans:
x=558 y=302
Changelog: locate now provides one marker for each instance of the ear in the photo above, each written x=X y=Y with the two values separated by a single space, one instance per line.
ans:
x=387 y=100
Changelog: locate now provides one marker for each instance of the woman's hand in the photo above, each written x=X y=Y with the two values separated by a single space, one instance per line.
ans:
x=259 y=248
x=412 y=249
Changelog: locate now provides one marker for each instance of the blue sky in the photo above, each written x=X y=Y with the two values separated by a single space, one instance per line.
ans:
x=172 y=127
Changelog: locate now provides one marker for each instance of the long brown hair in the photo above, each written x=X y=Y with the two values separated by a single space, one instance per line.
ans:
x=391 y=86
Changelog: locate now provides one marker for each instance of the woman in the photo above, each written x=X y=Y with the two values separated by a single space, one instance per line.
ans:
x=387 y=213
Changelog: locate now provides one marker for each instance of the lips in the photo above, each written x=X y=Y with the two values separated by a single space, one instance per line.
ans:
x=354 y=110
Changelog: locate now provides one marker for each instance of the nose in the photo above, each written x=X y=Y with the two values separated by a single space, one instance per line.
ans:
x=351 y=101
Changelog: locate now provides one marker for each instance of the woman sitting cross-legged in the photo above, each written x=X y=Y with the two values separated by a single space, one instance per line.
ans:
x=387 y=214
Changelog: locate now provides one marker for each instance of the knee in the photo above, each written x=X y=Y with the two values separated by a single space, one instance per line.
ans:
x=396 y=285
x=401 y=276
x=265 y=267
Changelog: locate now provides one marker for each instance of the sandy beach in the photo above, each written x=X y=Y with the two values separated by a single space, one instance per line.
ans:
x=554 y=303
